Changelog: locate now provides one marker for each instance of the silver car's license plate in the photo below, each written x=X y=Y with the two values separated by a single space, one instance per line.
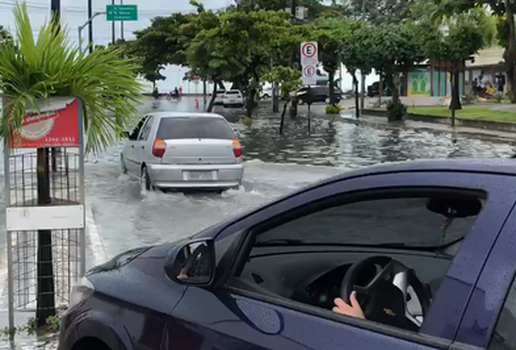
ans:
x=199 y=175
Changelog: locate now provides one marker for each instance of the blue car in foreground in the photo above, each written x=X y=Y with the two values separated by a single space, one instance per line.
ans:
x=429 y=247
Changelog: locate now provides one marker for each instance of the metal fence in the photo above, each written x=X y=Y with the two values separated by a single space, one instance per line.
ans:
x=24 y=250
x=64 y=178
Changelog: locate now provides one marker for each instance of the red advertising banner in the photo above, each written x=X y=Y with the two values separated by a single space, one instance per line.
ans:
x=56 y=124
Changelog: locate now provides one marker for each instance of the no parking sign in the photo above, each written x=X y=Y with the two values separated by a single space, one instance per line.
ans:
x=309 y=61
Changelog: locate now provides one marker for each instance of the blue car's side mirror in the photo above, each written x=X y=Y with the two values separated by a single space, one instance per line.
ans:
x=193 y=263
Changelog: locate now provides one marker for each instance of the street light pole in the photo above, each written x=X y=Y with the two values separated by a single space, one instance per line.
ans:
x=89 y=21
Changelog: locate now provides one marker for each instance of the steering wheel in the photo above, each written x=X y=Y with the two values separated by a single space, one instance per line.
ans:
x=383 y=297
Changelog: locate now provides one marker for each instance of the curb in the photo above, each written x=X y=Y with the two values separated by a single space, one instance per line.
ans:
x=473 y=123
x=94 y=237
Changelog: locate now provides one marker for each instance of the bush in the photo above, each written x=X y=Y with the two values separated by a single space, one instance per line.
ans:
x=396 y=111
x=333 y=109
x=247 y=121
x=469 y=99
x=498 y=97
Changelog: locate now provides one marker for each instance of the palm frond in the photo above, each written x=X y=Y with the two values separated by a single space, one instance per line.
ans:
x=32 y=69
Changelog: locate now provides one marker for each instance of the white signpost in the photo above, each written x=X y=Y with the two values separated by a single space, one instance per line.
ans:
x=309 y=61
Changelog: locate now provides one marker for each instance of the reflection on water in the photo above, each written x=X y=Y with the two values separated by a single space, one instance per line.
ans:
x=350 y=144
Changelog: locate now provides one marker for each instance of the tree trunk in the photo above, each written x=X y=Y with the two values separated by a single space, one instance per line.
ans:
x=282 y=123
x=393 y=83
x=510 y=52
x=249 y=105
x=357 y=97
x=455 y=98
x=380 y=90
x=213 y=97
x=331 y=76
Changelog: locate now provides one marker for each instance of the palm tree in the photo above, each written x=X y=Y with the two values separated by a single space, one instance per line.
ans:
x=32 y=69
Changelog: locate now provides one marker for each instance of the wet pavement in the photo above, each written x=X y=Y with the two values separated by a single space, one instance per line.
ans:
x=124 y=218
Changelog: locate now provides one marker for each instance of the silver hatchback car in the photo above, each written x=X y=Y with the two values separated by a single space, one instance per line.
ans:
x=183 y=150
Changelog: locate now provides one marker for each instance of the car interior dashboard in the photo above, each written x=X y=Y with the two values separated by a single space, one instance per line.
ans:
x=313 y=275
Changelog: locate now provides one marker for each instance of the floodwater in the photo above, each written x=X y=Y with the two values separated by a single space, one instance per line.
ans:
x=275 y=165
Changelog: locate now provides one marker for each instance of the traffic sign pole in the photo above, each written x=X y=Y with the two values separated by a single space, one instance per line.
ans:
x=113 y=25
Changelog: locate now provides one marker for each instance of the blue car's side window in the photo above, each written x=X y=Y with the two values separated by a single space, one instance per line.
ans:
x=386 y=251
x=504 y=336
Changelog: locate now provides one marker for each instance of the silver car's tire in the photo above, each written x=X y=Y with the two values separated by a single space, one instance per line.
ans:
x=145 y=181
x=123 y=168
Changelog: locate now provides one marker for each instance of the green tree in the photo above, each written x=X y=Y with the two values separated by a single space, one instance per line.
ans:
x=315 y=7
x=288 y=80
x=393 y=50
x=379 y=11
x=238 y=46
x=454 y=40
x=356 y=55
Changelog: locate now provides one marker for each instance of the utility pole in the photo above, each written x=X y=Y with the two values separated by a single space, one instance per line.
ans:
x=362 y=76
x=113 y=26
x=90 y=26
x=121 y=24
x=292 y=17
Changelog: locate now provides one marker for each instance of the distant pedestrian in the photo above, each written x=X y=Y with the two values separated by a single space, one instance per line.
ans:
x=180 y=90
x=474 y=86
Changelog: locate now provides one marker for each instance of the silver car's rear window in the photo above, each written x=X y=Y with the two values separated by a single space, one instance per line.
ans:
x=194 y=128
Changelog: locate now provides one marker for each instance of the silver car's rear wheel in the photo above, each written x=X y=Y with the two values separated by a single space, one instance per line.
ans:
x=145 y=181
x=123 y=168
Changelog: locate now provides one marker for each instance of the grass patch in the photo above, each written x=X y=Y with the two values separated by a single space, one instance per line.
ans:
x=467 y=112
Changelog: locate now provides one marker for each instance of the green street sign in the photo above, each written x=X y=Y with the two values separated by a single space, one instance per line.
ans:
x=121 y=12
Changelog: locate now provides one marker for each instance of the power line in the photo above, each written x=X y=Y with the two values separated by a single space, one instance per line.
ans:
x=41 y=6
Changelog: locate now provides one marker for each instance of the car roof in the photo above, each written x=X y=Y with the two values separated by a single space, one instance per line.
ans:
x=499 y=166
x=505 y=166
x=184 y=115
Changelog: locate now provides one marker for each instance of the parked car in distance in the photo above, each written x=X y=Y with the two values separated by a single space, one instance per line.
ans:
x=168 y=150
x=219 y=99
x=428 y=247
x=318 y=94
x=266 y=93
x=374 y=90
x=233 y=98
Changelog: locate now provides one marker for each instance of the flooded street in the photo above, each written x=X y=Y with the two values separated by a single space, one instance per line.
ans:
x=275 y=165
x=122 y=217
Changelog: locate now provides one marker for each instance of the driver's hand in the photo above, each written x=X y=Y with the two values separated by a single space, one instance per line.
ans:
x=354 y=310
x=182 y=275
